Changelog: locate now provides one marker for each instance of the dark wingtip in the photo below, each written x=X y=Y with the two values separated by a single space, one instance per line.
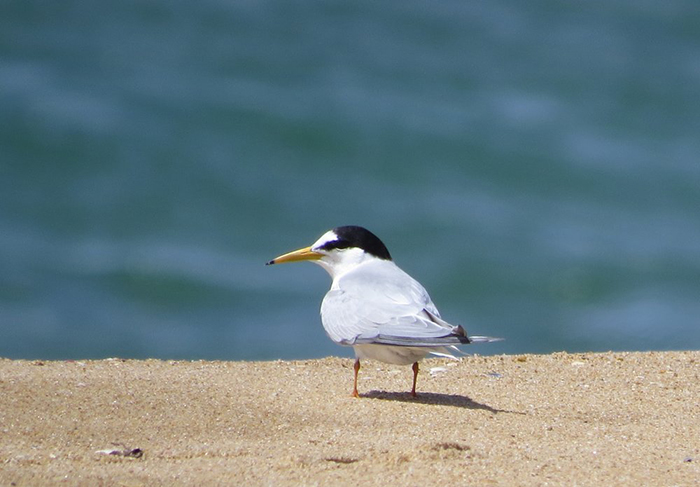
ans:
x=461 y=334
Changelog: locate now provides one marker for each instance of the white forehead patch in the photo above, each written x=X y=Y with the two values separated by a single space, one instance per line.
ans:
x=329 y=236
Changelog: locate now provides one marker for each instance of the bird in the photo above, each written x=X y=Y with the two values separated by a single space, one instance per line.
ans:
x=374 y=306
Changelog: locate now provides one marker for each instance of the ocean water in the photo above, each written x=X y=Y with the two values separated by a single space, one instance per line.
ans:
x=536 y=165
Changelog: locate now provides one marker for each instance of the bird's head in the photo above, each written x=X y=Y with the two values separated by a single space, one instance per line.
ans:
x=340 y=250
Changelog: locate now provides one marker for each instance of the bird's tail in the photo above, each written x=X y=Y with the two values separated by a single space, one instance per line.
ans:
x=483 y=339
x=448 y=352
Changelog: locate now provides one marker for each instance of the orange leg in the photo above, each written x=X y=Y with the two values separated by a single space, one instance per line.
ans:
x=415 y=377
x=357 y=370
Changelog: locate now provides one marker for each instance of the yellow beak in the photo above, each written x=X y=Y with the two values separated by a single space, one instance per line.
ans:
x=302 y=254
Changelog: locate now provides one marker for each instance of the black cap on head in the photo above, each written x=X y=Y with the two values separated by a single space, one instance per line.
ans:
x=353 y=236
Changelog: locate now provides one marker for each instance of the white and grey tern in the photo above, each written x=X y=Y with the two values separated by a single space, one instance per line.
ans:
x=374 y=306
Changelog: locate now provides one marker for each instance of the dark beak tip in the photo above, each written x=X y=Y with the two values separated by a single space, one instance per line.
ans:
x=270 y=263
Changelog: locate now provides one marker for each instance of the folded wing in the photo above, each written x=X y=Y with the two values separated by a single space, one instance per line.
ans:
x=386 y=308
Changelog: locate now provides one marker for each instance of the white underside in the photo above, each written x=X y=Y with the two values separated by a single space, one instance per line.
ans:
x=398 y=355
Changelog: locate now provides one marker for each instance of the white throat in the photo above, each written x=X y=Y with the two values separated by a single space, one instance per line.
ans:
x=339 y=262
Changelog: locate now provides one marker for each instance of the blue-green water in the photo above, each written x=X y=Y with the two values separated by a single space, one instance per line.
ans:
x=536 y=165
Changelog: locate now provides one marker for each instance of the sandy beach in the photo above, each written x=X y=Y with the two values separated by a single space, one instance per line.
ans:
x=560 y=419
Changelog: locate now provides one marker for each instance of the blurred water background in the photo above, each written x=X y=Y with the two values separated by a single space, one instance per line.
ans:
x=536 y=165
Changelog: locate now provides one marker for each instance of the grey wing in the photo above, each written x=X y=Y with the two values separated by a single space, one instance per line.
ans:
x=385 y=311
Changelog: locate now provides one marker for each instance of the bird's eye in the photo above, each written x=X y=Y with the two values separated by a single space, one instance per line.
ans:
x=335 y=245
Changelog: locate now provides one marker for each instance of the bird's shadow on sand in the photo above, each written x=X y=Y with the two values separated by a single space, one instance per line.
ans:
x=454 y=400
